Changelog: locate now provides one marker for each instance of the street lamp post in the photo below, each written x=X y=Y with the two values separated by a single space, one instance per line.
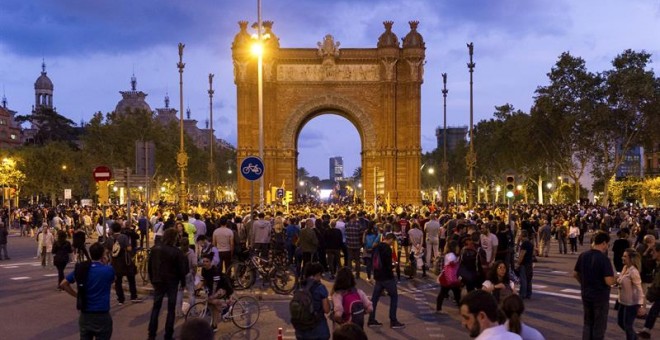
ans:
x=260 y=96
x=471 y=157
x=445 y=164
x=211 y=144
x=181 y=157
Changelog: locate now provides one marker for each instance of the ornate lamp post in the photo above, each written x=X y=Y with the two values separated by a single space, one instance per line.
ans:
x=181 y=157
x=471 y=159
x=211 y=144
x=445 y=164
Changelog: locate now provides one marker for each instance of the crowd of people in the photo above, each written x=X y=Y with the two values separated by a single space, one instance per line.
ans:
x=488 y=251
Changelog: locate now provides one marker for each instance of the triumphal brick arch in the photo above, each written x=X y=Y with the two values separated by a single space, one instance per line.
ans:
x=377 y=89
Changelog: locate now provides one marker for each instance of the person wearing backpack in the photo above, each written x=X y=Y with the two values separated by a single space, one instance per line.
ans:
x=384 y=277
x=371 y=237
x=93 y=282
x=122 y=262
x=350 y=303
x=62 y=254
x=309 y=306
x=450 y=272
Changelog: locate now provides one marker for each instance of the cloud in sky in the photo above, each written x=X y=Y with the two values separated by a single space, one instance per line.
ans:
x=91 y=48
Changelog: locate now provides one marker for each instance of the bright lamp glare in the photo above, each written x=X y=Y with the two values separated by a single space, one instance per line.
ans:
x=509 y=194
x=257 y=49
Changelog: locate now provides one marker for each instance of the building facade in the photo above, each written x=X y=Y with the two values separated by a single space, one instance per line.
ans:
x=455 y=137
x=10 y=131
x=632 y=164
x=652 y=161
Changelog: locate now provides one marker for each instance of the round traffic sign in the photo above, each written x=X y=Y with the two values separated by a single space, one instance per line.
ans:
x=252 y=168
x=102 y=173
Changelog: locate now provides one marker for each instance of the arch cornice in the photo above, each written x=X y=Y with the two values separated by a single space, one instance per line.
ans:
x=330 y=102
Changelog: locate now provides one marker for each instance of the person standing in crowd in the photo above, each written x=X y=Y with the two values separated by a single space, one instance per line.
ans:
x=320 y=302
x=344 y=294
x=545 y=235
x=191 y=260
x=631 y=295
x=122 y=263
x=489 y=243
x=200 y=227
x=206 y=248
x=62 y=255
x=159 y=230
x=513 y=307
x=385 y=281
x=370 y=240
x=498 y=282
x=451 y=259
x=93 y=294
x=261 y=230
x=189 y=228
x=292 y=237
x=416 y=239
x=525 y=265
x=432 y=230
x=223 y=240
x=45 y=240
x=309 y=243
x=653 y=295
x=479 y=316
x=562 y=234
x=573 y=233
x=333 y=245
x=3 y=241
x=620 y=245
x=143 y=228
x=469 y=270
x=593 y=271
x=278 y=243
x=354 y=244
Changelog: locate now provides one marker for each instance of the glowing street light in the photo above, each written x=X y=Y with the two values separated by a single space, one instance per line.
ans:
x=431 y=171
x=549 y=185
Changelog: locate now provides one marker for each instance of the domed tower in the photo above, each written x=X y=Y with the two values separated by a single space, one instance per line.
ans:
x=132 y=100
x=43 y=90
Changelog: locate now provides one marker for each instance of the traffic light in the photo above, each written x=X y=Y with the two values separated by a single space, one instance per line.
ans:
x=288 y=197
x=510 y=185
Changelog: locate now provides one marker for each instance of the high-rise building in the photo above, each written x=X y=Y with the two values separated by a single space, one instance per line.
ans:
x=336 y=168
x=632 y=163
x=455 y=137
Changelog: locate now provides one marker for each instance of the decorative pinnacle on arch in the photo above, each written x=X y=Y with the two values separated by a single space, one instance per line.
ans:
x=388 y=25
x=243 y=25
x=413 y=24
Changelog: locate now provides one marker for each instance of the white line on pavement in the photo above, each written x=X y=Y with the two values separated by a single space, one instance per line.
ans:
x=20 y=264
x=539 y=286
x=563 y=295
x=50 y=275
x=558 y=272
x=20 y=278
x=10 y=267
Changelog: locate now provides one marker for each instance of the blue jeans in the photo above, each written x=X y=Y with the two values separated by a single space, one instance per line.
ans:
x=95 y=326
x=526 y=273
x=160 y=291
x=595 y=319
x=390 y=287
x=626 y=319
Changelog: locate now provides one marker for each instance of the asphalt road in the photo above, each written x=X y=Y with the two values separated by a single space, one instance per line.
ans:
x=32 y=308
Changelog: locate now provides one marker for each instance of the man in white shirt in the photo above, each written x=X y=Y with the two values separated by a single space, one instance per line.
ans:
x=489 y=243
x=223 y=239
x=479 y=317
x=432 y=230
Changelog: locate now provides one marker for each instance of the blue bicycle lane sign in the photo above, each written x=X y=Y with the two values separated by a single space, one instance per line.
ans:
x=252 y=168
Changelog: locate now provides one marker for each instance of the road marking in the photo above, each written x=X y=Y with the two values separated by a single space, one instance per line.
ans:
x=10 y=267
x=20 y=278
x=558 y=272
x=20 y=264
x=50 y=275
x=568 y=290
x=565 y=295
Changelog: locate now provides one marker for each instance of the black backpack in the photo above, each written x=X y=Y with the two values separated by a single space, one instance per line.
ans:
x=81 y=273
x=301 y=308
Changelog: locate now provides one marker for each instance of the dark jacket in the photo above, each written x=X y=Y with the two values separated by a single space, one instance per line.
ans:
x=3 y=235
x=167 y=265
x=333 y=239
x=385 y=273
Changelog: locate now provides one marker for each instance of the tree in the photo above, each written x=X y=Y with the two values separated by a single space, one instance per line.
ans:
x=560 y=117
x=51 y=126
x=302 y=173
x=630 y=111
x=357 y=173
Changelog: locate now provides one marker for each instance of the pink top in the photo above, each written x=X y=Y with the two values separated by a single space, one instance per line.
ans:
x=630 y=287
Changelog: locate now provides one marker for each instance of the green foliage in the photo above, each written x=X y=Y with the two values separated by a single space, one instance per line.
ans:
x=52 y=126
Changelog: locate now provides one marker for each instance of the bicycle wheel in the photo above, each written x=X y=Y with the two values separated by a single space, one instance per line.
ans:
x=199 y=310
x=245 y=312
x=284 y=280
x=245 y=277
x=144 y=274
x=234 y=269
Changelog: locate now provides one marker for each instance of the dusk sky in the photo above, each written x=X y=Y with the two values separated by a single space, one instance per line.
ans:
x=91 y=49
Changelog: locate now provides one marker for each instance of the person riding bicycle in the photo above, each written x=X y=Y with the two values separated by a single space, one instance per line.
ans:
x=218 y=286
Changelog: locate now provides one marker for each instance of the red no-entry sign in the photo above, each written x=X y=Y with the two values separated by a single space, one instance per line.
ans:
x=102 y=173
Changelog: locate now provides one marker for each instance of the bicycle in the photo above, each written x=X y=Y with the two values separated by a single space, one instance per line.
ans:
x=141 y=260
x=282 y=279
x=243 y=312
